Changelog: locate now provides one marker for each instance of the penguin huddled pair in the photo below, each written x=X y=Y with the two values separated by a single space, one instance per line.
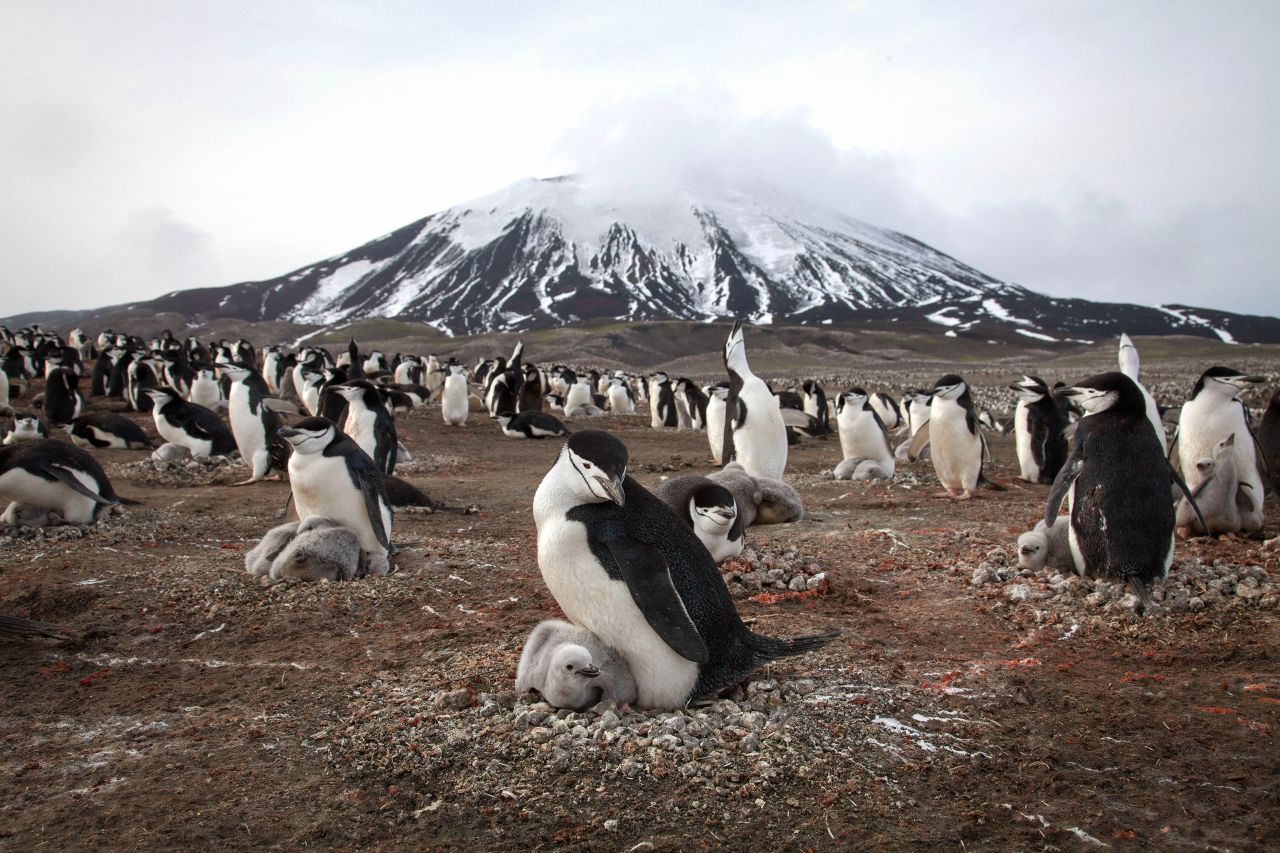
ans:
x=314 y=549
x=56 y=476
x=621 y=565
x=866 y=451
x=570 y=667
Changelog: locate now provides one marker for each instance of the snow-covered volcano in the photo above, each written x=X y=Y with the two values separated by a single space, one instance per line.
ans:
x=564 y=250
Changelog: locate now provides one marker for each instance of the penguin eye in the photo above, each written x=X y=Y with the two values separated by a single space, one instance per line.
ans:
x=586 y=464
x=569 y=667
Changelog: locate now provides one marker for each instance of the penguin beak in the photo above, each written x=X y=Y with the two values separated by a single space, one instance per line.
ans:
x=1253 y=380
x=613 y=488
x=287 y=434
x=1070 y=391
x=589 y=671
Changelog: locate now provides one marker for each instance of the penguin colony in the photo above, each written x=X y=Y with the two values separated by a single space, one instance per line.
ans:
x=651 y=620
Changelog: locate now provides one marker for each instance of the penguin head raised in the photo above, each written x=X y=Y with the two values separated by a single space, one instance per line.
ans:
x=854 y=398
x=1225 y=381
x=950 y=387
x=592 y=467
x=235 y=372
x=735 y=350
x=1112 y=391
x=1030 y=388
x=309 y=435
x=162 y=396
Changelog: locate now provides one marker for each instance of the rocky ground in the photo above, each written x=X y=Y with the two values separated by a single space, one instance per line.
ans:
x=967 y=704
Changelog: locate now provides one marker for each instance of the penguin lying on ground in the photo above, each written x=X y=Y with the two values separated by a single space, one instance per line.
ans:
x=258 y=560
x=24 y=426
x=1219 y=494
x=189 y=425
x=58 y=476
x=621 y=564
x=709 y=509
x=530 y=425
x=571 y=668
x=1046 y=546
x=759 y=499
x=26 y=515
x=108 y=430
x=320 y=550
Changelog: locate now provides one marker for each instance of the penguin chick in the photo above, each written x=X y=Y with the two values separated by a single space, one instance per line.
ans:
x=861 y=469
x=779 y=503
x=746 y=494
x=1220 y=494
x=258 y=561
x=27 y=515
x=1047 y=547
x=571 y=668
x=322 y=550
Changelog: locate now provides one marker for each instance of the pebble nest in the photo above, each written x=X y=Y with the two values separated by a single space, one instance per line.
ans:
x=212 y=471
x=1193 y=586
x=25 y=537
x=765 y=568
x=468 y=749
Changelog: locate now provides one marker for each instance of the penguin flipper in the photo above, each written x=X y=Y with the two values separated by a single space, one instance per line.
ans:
x=918 y=442
x=1177 y=478
x=647 y=575
x=72 y=482
x=1061 y=484
x=1244 y=501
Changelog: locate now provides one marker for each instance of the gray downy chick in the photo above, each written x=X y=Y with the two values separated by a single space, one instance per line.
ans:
x=1047 y=547
x=760 y=500
x=29 y=515
x=258 y=561
x=322 y=550
x=571 y=668
x=861 y=469
x=1219 y=493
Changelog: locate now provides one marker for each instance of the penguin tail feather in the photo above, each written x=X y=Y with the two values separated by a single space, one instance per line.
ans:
x=1139 y=588
x=18 y=628
x=769 y=648
x=984 y=483
x=127 y=501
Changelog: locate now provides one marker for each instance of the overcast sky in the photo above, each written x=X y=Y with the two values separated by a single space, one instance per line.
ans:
x=1116 y=150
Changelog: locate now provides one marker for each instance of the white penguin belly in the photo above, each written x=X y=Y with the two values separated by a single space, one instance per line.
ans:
x=19 y=485
x=454 y=404
x=956 y=452
x=860 y=438
x=715 y=428
x=322 y=486
x=359 y=427
x=245 y=426
x=761 y=446
x=591 y=599
x=1203 y=424
x=1022 y=433
x=619 y=402
x=112 y=440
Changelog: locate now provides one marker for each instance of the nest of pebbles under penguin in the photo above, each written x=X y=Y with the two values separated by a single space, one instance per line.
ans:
x=26 y=536
x=1193 y=586
x=210 y=471
x=764 y=569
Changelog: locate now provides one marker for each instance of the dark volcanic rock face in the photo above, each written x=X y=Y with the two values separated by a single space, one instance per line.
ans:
x=544 y=253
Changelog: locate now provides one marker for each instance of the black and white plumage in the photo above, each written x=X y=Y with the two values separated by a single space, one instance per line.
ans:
x=25 y=426
x=1213 y=412
x=1117 y=485
x=530 y=425
x=621 y=399
x=332 y=477
x=1129 y=363
x=717 y=395
x=956 y=444
x=369 y=423
x=710 y=510
x=205 y=390
x=662 y=403
x=108 y=430
x=754 y=433
x=815 y=404
x=570 y=667
x=189 y=425
x=255 y=426
x=530 y=398
x=694 y=400
x=760 y=500
x=63 y=401
x=622 y=565
x=455 y=398
x=58 y=476
x=1039 y=427
x=887 y=408
x=863 y=438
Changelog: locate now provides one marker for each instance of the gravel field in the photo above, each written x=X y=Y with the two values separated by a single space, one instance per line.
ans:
x=966 y=705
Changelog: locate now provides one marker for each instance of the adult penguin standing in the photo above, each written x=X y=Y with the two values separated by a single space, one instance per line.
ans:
x=1116 y=483
x=621 y=564
x=754 y=432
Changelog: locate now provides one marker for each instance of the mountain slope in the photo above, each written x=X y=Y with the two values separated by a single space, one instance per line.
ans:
x=543 y=253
